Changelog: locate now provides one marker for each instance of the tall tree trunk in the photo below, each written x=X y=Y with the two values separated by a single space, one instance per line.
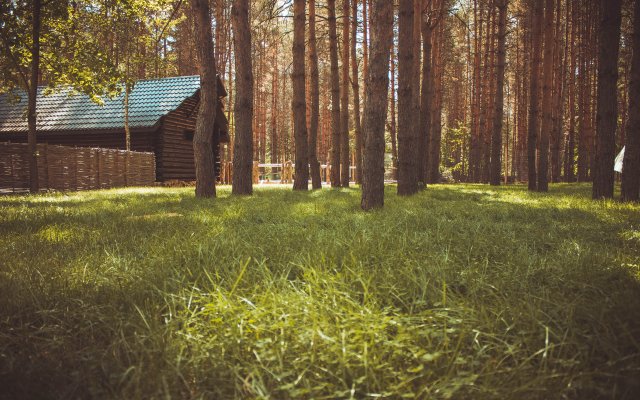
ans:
x=34 y=183
x=547 y=103
x=375 y=105
x=583 y=96
x=426 y=100
x=301 y=179
x=365 y=43
x=345 y=153
x=394 y=130
x=607 y=117
x=356 y=91
x=243 y=146
x=631 y=164
x=437 y=68
x=335 y=95
x=203 y=136
x=486 y=112
x=560 y=53
x=316 y=183
x=569 y=166
x=589 y=68
x=534 y=84
x=417 y=48
x=474 y=143
x=275 y=140
x=407 y=143
x=127 y=128
x=496 y=139
x=522 y=148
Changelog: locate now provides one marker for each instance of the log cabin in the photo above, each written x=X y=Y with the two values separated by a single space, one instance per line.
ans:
x=162 y=120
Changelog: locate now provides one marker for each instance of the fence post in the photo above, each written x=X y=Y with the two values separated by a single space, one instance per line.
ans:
x=126 y=168
x=75 y=168
x=98 y=170
x=13 y=177
x=46 y=165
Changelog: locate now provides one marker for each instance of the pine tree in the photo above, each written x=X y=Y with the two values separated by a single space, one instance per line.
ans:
x=203 y=138
x=243 y=146
x=335 y=95
x=631 y=162
x=314 y=96
x=547 y=104
x=345 y=153
x=607 y=110
x=534 y=84
x=301 y=179
x=375 y=105
x=496 y=139
x=407 y=143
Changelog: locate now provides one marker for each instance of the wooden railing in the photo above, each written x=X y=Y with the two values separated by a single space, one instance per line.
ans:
x=280 y=173
x=74 y=168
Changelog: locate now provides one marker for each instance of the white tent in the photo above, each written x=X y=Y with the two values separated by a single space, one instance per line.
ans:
x=619 y=159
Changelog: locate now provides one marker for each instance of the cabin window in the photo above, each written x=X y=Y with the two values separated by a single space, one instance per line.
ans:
x=188 y=135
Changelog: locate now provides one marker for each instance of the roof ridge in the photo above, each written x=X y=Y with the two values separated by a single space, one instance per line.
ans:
x=69 y=86
x=167 y=77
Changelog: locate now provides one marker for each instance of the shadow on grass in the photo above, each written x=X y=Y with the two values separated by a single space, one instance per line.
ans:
x=84 y=315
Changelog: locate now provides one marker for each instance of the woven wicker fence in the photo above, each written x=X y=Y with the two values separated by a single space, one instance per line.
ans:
x=74 y=168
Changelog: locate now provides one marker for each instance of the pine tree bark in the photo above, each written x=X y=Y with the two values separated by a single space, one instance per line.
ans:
x=474 y=143
x=583 y=95
x=34 y=183
x=314 y=76
x=496 y=139
x=335 y=95
x=559 y=56
x=345 y=152
x=416 y=112
x=631 y=162
x=301 y=178
x=365 y=43
x=587 y=90
x=394 y=125
x=607 y=108
x=275 y=139
x=569 y=153
x=375 y=105
x=242 y=183
x=534 y=83
x=437 y=67
x=547 y=103
x=356 y=92
x=426 y=100
x=407 y=143
x=203 y=136
x=487 y=100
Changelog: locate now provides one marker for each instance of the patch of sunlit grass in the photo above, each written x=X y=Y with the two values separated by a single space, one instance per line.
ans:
x=462 y=291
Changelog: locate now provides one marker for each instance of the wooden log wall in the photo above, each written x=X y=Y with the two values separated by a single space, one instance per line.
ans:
x=175 y=142
x=74 y=168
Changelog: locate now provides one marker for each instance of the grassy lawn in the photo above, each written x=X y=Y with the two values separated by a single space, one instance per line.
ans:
x=464 y=292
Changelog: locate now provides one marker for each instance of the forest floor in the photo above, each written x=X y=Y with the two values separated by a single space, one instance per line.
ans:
x=463 y=291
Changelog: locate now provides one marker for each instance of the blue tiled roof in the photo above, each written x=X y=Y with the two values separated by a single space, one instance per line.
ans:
x=66 y=110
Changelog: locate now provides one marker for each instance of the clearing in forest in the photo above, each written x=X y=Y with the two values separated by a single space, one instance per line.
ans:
x=461 y=291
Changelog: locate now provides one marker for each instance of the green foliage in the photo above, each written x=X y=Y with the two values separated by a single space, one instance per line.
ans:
x=459 y=292
x=90 y=45
x=454 y=144
x=70 y=50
